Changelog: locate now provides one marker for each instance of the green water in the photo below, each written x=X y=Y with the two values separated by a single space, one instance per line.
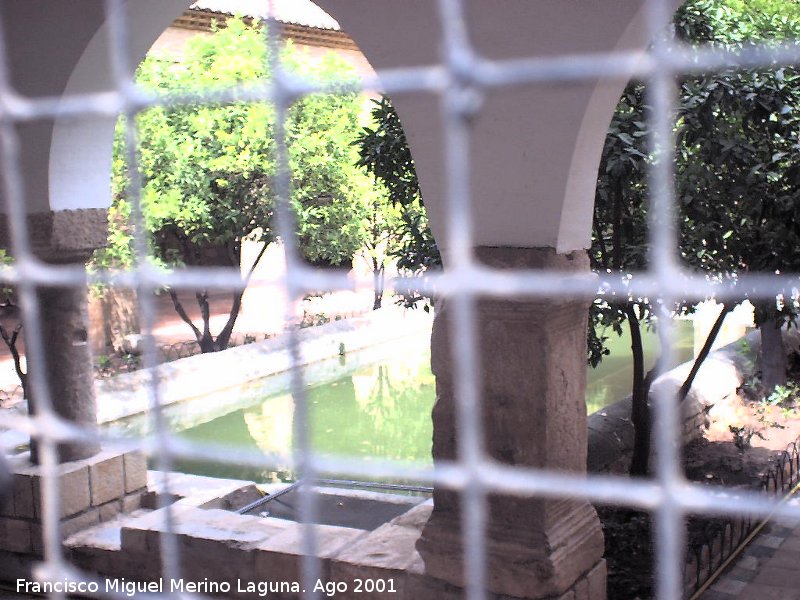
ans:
x=379 y=410
x=611 y=380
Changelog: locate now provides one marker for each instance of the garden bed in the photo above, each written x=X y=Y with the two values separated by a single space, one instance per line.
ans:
x=744 y=440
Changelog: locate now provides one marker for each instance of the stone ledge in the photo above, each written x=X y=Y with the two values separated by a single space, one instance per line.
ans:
x=247 y=548
x=241 y=367
x=184 y=489
x=279 y=558
x=63 y=236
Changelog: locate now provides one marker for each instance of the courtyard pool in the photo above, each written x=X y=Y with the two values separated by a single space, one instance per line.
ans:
x=371 y=404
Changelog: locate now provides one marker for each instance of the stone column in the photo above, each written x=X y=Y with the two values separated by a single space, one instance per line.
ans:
x=533 y=367
x=66 y=237
x=70 y=373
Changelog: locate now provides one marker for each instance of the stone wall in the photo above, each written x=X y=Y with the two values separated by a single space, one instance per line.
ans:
x=113 y=314
x=240 y=550
x=91 y=491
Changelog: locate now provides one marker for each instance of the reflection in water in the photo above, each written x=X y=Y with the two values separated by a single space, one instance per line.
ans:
x=381 y=411
x=612 y=379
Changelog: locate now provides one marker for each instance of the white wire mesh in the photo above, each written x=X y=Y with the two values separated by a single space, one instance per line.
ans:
x=460 y=76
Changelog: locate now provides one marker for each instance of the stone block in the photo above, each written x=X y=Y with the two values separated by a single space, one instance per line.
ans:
x=7 y=503
x=581 y=589
x=94 y=481
x=597 y=581
x=7 y=498
x=22 y=487
x=110 y=510
x=132 y=502
x=16 y=566
x=241 y=497
x=279 y=557
x=568 y=595
x=129 y=565
x=222 y=543
x=74 y=490
x=107 y=478
x=15 y=536
x=68 y=527
x=388 y=553
x=140 y=534
x=194 y=489
x=226 y=526
x=222 y=560
x=416 y=517
x=135 y=464
x=80 y=522
x=95 y=540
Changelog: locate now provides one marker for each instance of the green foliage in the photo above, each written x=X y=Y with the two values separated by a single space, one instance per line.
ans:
x=736 y=180
x=737 y=21
x=783 y=395
x=6 y=292
x=743 y=436
x=330 y=194
x=311 y=319
x=207 y=170
x=384 y=153
x=737 y=171
x=619 y=239
x=736 y=166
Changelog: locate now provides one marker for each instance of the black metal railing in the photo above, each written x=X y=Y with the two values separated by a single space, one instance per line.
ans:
x=716 y=543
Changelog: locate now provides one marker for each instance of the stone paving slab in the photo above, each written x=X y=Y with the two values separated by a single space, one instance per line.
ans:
x=768 y=569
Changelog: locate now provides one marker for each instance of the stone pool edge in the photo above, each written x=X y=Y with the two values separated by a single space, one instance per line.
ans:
x=128 y=394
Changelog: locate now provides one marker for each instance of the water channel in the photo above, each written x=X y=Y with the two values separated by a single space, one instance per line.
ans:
x=374 y=404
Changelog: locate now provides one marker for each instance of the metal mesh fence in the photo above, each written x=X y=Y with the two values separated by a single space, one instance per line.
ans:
x=461 y=73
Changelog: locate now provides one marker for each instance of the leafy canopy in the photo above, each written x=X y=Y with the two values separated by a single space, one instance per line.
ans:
x=207 y=169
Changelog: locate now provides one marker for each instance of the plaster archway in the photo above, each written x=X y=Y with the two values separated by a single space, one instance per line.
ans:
x=79 y=170
x=60 y=49
x=536 y=148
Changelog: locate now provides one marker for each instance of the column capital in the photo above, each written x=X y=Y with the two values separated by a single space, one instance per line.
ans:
x=506 y=257
x=62 y=236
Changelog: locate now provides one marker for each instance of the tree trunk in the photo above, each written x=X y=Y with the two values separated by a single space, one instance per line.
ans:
x=205 y=339
x=640 y=410
x=773 y=356
x=704 y=352
x=377 y=280
x=224 y=337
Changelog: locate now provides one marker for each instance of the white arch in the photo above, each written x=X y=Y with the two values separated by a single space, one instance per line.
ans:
x=536 y=149
x=79 y=171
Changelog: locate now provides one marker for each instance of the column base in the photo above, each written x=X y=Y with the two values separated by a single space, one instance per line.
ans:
x=591 y=585
x=517 y=567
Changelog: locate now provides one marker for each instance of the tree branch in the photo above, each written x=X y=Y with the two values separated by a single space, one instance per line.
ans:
x=11 y=342
x=225 y=335
x=182 y=314
x=205 y=312
x=704 y=352
x=640 y=410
